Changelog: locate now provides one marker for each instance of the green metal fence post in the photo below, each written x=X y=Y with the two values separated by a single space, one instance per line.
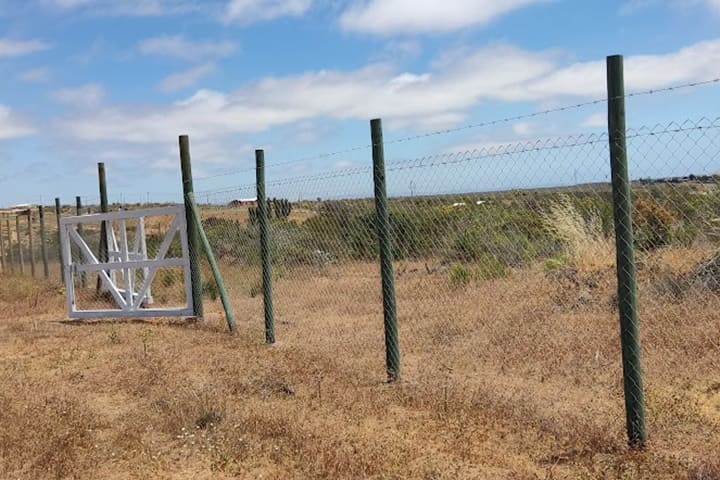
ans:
x=60 y=254
x=192 y=226
x=43 y=247
x=31 y=244
x=227 y=306
x=392 y=345
x=78 y=212
x=265 y=246
x=627 y=300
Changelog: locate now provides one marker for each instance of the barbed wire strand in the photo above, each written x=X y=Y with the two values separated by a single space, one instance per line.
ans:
x=551 y=143
x=471 y=126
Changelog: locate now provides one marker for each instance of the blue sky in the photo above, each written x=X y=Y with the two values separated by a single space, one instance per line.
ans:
x=83 y=81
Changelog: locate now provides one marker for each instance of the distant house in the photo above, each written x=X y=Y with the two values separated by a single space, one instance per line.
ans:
x=243 y=202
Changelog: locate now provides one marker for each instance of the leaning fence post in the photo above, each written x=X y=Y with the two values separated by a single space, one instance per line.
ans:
x=627 y=300
x=43 y=247
x=265 y=246
x=60 y=250
x=392 y=346
x=193 y=232
x=227 y=306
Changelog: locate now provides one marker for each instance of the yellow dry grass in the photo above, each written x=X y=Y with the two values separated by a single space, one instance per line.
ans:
x=586 y=245
x=516 y=377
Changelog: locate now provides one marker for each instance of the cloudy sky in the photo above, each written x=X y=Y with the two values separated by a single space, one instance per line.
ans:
x=83 y=81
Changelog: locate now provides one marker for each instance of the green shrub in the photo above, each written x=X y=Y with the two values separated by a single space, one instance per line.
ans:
x=490 y=267
x=555 y=263
x=210 y=289
x=460 y=275
x=653 y=224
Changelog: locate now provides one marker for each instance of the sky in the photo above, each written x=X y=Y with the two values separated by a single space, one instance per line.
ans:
x=117 y=81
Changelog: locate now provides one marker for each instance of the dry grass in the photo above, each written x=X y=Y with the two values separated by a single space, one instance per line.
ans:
x=516 y=377
x=587 y=246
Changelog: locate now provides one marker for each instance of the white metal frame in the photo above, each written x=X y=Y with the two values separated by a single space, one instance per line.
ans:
x=132 y=299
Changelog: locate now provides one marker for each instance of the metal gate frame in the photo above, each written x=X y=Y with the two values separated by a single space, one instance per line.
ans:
x=121 y=257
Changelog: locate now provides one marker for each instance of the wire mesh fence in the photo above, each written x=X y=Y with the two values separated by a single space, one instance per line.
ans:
x=29 y=242
x=504 y=278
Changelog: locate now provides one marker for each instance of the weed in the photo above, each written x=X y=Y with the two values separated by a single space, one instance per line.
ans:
x=210 y=289
x=255 y=289
x=114 y=336
x=460 y=275
x=587 y=247
x=653 y=223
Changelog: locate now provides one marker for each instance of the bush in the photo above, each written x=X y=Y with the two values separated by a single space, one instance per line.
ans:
x=555 y=263
x=231 y=240
x=653 y=224
x=210 y=289
x=460 y=275
x=490 y=267
x=506 y=243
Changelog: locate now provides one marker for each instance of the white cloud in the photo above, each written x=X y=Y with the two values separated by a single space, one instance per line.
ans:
x=35 y=75
x=16 y=48
x=85 y=96
x=343 y=164
x=587 y=79
x=523 y=129
x=595 y=120
x=249 y=11
x=631 y=7
x=12 y=126
x=714 y=4
x=387 y=17
x=179 y=47
x=437 y=98
x=237 y=11
x=126 y=7
x=187 y=78
x=400 y=50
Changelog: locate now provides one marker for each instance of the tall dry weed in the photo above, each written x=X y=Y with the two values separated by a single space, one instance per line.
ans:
x=586 y=245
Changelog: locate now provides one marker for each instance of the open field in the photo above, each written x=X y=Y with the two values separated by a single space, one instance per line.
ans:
x=509 y=337
x=510 y=377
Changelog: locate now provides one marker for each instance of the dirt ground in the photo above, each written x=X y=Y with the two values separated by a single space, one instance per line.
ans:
x=516 y=377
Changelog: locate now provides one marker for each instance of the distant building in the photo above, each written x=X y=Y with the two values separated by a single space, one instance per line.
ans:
x=21 y=209
x=243 y=202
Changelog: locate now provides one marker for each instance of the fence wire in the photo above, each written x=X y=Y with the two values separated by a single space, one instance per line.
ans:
x=505 y=277
x=26 y=247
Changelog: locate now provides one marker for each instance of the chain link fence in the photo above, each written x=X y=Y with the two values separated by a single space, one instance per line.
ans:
x=504 y=279
x=29 y=242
